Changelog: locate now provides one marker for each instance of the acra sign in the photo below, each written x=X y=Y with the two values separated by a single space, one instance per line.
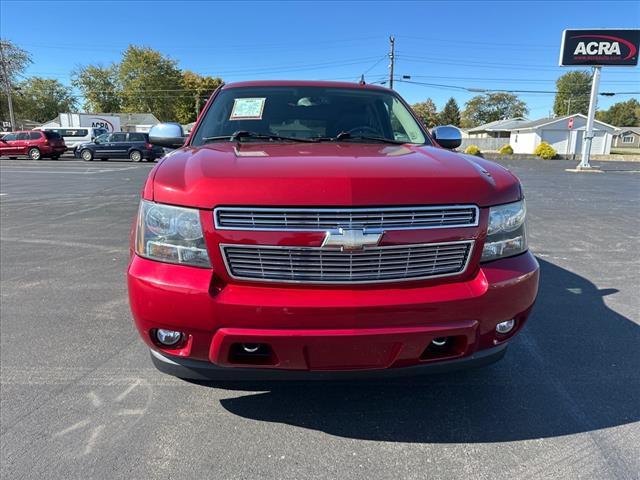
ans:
x=597 y=48
x=600 y=47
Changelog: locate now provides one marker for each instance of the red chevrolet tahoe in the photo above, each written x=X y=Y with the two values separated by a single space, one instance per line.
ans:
x=316 y=229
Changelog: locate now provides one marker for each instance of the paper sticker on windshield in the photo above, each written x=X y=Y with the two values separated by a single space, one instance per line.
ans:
x=247 y=109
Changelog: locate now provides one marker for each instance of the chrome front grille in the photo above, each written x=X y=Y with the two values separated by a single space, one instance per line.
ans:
x=319 y=265
x=314 y=219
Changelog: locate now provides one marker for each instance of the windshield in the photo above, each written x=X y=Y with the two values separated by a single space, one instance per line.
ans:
x=308 y=113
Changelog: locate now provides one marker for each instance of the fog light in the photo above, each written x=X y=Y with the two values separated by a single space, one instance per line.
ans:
x=250 y=347
x=168 y=337
x=505 y=327
x=439 y=342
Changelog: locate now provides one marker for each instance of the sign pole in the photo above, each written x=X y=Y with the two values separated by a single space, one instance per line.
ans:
x=588 y=134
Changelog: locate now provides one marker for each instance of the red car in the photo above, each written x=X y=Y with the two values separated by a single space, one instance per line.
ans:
x=315 y=229
x=33 y=143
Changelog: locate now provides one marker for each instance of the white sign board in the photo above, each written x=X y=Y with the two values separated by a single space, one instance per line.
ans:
x=111 y=123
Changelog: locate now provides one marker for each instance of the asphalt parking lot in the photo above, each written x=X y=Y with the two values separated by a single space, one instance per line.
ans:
x=80 y=398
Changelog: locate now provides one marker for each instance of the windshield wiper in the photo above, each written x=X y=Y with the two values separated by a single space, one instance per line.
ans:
x=260 y=136
x=348 y=136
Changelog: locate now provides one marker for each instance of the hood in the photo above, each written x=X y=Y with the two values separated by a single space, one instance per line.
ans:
x=328 y=174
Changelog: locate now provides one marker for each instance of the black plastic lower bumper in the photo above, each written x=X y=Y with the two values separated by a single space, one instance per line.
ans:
x=199 y=370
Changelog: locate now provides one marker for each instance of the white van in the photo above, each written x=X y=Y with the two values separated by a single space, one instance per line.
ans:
x=75 y=136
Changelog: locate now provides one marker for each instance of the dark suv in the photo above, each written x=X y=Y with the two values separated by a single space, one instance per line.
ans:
x=132 y=145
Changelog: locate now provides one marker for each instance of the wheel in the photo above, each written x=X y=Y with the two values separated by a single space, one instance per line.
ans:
x=87 y=155
x=135 y=156
x=34 y=154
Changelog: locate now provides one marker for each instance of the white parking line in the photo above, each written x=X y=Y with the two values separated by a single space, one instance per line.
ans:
x=65 y=171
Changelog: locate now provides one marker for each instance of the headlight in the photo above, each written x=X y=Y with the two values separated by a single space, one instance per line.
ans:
x=506 y=234
x=171 y=234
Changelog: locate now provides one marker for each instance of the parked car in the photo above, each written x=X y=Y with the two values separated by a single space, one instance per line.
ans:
x=309 y=229
x=133 y=145
x=76 y=136
x=33 y=143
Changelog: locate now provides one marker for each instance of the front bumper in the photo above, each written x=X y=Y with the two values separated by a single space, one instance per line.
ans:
x=202 y=370
x=321 y=330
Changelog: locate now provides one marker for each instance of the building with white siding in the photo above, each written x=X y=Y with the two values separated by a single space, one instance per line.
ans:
x=526 y=136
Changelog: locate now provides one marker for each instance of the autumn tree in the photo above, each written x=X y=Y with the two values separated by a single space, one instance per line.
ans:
x=196 y=89
x=150 y=82
x=100 y=87
x=573 y=91
x=621 y=114
x=426 y=112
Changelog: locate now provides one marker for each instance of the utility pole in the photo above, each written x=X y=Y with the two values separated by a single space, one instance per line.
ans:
x=392 y=42
x=568 y=102
x=197 y=104
x=7 y=85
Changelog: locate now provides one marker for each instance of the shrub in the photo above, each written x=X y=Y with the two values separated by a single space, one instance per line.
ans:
x=506 y=150
x=545 y=151
x=473 y=150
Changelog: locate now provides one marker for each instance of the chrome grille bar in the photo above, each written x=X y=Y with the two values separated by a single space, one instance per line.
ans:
x=318 y=265
x=317 y=219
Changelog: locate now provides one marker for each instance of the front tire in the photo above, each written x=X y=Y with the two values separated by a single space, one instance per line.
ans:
x=135 y=156
x=34 y=154
x=87 y=155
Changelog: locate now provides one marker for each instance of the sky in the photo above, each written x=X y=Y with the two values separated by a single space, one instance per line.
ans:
x=451 y=45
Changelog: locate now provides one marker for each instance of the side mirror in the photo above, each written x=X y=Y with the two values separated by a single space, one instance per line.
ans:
x=168 y=135
x=447 y=136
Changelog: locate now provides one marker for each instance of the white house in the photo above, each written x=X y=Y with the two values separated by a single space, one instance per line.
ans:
x=526 y=136
x=497 y=129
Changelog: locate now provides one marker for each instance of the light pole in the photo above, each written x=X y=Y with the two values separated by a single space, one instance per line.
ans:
x=588 y=134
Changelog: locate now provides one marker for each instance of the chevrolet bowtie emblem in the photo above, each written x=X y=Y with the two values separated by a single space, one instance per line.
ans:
x=349 y=240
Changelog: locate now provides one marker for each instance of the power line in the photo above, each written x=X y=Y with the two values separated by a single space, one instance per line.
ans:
x=219 y=47
x=523 y=80
x=374 y=65
x=498 y=90
x=481 y=64
x=474 y=42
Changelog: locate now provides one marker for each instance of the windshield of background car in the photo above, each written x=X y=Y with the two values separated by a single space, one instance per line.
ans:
x=308 y=113
x=72 y=132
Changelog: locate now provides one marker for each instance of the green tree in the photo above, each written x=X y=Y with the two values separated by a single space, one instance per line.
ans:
x=196 y=90
x=13 y=61
x=426 y=112
x=491 y=107
x=573 y=90
x=100 y=87
x=450 y=114
x=42 y=99
x=621 y=114
x=150 y=82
